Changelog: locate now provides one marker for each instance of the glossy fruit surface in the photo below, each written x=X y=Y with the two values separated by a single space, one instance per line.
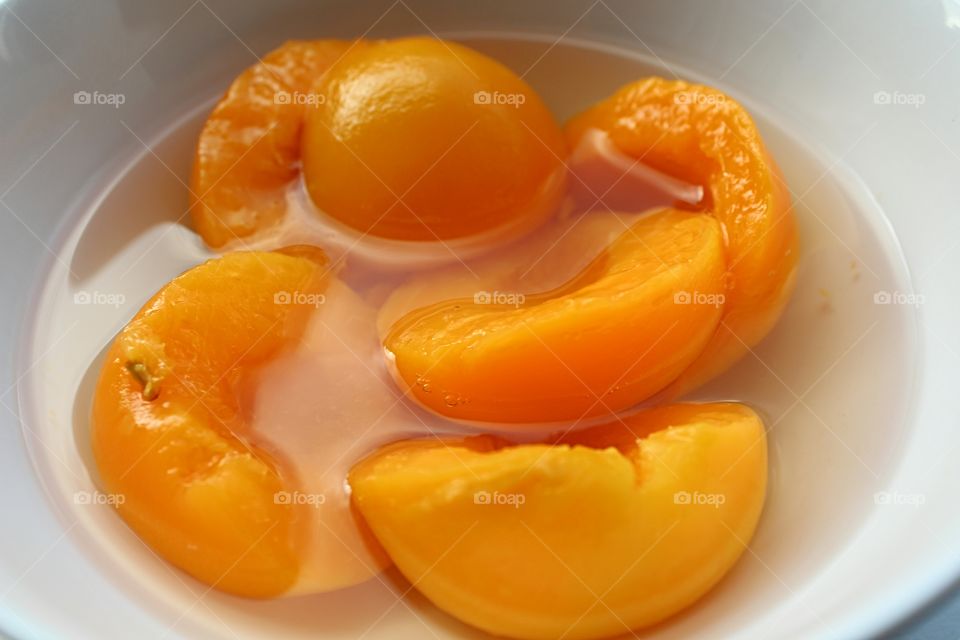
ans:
x=170 y=425
x=613 y=335
x=608 y=530
x=249 y=150
x=423 y=139
x=702 y=136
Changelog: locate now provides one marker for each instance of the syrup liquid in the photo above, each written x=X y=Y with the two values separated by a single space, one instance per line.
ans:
x=845 y=356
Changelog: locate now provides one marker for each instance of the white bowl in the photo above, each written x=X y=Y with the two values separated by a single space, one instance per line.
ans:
x=858 y=102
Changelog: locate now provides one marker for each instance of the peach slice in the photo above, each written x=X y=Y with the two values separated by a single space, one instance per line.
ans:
x=610 y=337
x=702 y=136
x=608 y=530
x=249 y=149
x=169 y=427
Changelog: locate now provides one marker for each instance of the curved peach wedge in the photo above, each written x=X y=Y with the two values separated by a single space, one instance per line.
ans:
x=169 y=426
x=610 y=337
x=249 y=148
x=606 y=531
x=704 y=137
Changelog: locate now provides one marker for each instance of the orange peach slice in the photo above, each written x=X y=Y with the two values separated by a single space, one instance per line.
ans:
x=610 y=337
x=170 y=432
x=607 y=531
x=702 y=136
x=249 y=149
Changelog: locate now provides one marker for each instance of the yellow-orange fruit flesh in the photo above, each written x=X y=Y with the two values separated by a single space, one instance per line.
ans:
x=248 y=152
x=611 y=337
x=170 y=426
x=703 y=136
x=606 y=531
x=422 y=139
